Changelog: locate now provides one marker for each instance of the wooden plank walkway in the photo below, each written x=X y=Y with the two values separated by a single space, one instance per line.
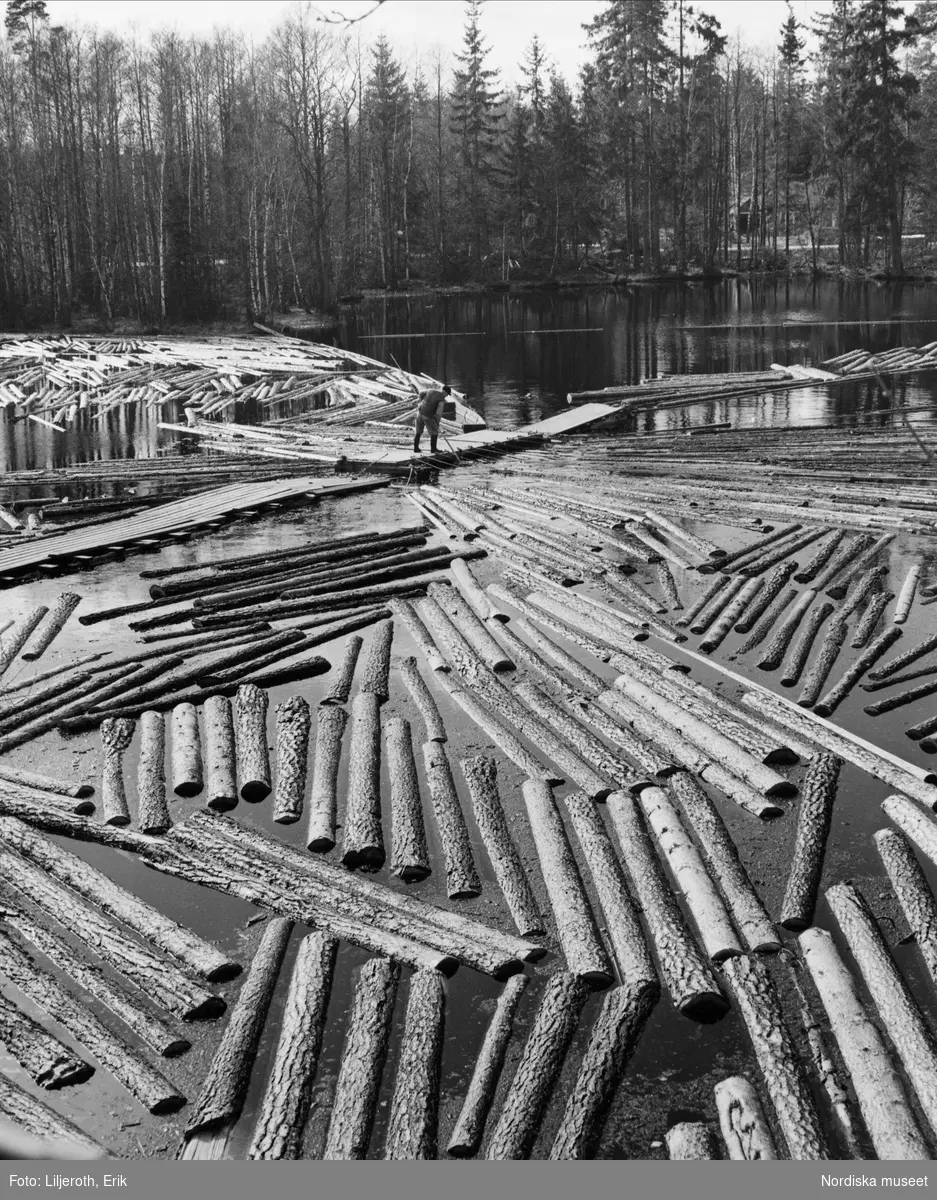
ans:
x=208 y=507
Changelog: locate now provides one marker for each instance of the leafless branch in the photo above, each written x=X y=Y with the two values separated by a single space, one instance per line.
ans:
x=337 y=18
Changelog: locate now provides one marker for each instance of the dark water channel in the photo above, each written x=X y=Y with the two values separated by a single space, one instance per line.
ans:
x=516 y=371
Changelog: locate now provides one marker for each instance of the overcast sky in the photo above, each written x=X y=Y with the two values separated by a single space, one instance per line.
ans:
x=421 y=26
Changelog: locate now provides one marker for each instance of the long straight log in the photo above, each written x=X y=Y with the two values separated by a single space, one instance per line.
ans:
x=822 y=556
x=575 y=926
x=472 y=592
x=800 y=650
x=46 y=783
x=131 y=1069
x=823 y=663
x=220 y=759
x=422 y=697
x=414 y=1107
x=63 y=608
x=363 y=1056
x=847 y=555
x=731 y=614
x=330 y=725
x=871 y=581
x=56 y=1136
x=903 y=1021
x=47 y=1061
x=688 y=979
x=773 y=654
x=409 y=855
x=768 y=621
x=340 y=688
x=841 y=689
x=287 y=1100
x=225 y=1087
x=199 y=956
x=906 y=595
x=910 y=885
x=20 y=636
x=152 y=809
x=745 y=1130
x=883 y=1101
x=471 y=628
x=418 y=631
x=865 y=627
x=253 y=755
x=710 y=611
x=292 y=749
x=186 y=751
x=899 y=699
x=905 y=659
x=704 y=602
x=363 y=841
x=375 y=672
x=116 y=736
x=461 y=875
x=534 y=1080
x=781 y=1068
x=780 y=553
x=774 y=584
x=818 y=794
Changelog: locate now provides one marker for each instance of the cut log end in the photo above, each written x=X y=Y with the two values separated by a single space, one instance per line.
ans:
x=321 y=844
x=188 y=788
x=217 y=804
x=707 y=1008
x=413 y=872
x=253 y=791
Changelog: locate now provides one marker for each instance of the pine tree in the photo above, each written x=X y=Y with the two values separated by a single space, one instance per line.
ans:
x=792 y=62
x=388 y=109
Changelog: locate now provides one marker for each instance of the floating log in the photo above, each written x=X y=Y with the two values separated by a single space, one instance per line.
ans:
x=668 y=586
x=47 y=783
x=186 y=947
x=363 y=841
x=822 y=556
x=253 y=756
x=363 y=1056
x=902 y=1018
x=688 y=979
x=731 y=614
x=892 y=1126
x=720 y=600
x=906 y=677
x=225 y=1087
x=800 y=651
x=638 y=747
x=905 y=659
x=128 y=1067
x=847 y=555
x=47 y=1061
x=418 y=631
x=745 y=1129
x=580 y=674
x=575 y=927
x=779 y=553
x=691 y=1140
x=865 y=627
x=287 y=1100
x=758 y=549
x=706 y=549
x=116 y=736
x=461 y=875
x=472 y=592
x=707 y=598
x=186 y=751
x=152 y=810
x=866 y=584
x=773 y=654
x=814 y=817
x=906 y=595
x=63 y=608
x=785 y=1080
x=340 y=688
x=414 y=1106
x=409 y=858
x=422 y=697
x=768 y=620
x=841 y=689
x=220 y=759
x=330 y=725
x=292 y=748
x=534 y=1080
x=20 y=636
x=899 y=699
x=471 y=628
x=823 y=663
x=773 y=585
x=375 y=674
x=130 y=1005
x=913 y=891
x=56 y=1136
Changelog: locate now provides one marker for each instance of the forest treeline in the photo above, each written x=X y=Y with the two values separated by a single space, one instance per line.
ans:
x=177 y=179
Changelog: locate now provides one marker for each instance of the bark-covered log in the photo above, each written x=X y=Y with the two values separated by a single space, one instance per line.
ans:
x=422 y=698
x=363 y=840
x=188 y=948
x=668 y=586
x=905 y=659
x=461 y=875
x=288 y=1096
x=822 y=556
x=152 y=809
x=470 y=1126
x=532 y=1086
x=841 y=689
x=708 y=613
x=648 y=756
x=220 y=758
x=800 y=650
x=414 y=1106
x=481 y=776
x=292 y=750
x=20 y=636
x=47 y=1061
x=774 y=583
x=731 y=614
x=116 y=736
x=130 y=1068
x=785 y=1081
x=575 y=926
x=773 y=654
x=61 y=1136
x=617 y=1030
x=849 y=554
x=692 y=986
x=340 y=688
x=693 y=880
x=780 y=553
x=767 y=621
x=691 y=1140
x=420 y=634
x=865 y=627
x=186 y=751
x=621 y=919
x=745 y=1130
x=375 y=672
x=253 y=754
x=872 y=581
x=409 y=858
x=913 y=891
x=472 y=592
x=823 y=663
x=472 y=629
x=817 y=796
x=363 y=1056
x=225 y=1087
x=330 y=725
x=80 y=790
x=743 y=901
x=63 y=608
x=888 y=1116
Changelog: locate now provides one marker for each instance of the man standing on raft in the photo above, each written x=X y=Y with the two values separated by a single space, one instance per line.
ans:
x=428 y=416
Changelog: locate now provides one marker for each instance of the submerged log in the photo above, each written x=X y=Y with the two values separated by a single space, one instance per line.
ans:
x=785 y=1080
x=461 y=875
x=422 y=698
x=186 y=751
x=691 y=1141
x=225 y=1087
x=116 y=736
x=375 y=673
x=745 y=1129
x=220 y=759
x=892 y=1126
x=363 y=840
x=363 y=1056
x=575 y=927
x=817 y=797
x=340 y=688
x=330 y=725
x=292 y=750
x=800 y=651
x=47 y=1061
x=288 y=1096
x=131 y=1069
x=914 y=894
x=63 y=608
x=532 y=1086
x=414 y=1106
x=152 y=809
x=54 y=1132
x=253 y=755
x=469 y=1128
x=409 y=859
